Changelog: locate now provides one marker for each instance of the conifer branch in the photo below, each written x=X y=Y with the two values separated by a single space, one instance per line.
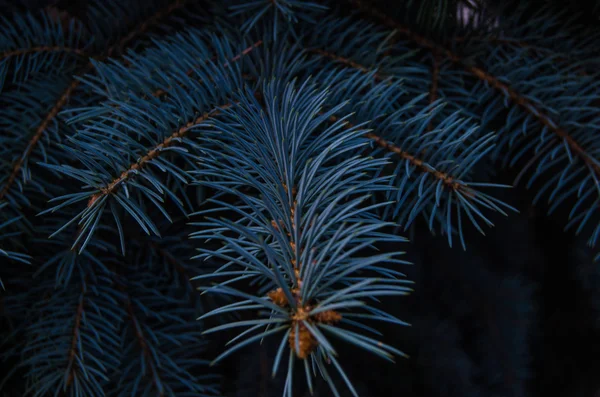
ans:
x=448 y=180
x=62 y=101
x=532 y=109
x=38 y=42
x=493 y=81
x=307 y=343
x=135 y=111
x=71 y=339
x=302 y=174
x=173 y=139
x=64 y=98
x=296 y=234
x=157 y=340
x=440 y=161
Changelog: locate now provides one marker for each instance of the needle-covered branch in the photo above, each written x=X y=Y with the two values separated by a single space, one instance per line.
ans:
x=302 y=230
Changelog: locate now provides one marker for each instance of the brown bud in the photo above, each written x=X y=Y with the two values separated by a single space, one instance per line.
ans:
x=306 y=341
x=278 y=297
x=328 y=317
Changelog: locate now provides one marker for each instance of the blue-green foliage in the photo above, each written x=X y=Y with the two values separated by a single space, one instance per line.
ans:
x=154 y=345
x=296 y=140
x=80 y=348
x=436 y=184
x=290 y=11
x=303 y=207
x=121 y=143
x=555 y=145
x=43 y=61
x=32 y=44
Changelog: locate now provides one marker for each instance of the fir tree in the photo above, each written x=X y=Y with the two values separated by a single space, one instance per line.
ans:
x=188 y=184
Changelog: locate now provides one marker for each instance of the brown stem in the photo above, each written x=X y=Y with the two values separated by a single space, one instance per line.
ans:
x=574 y=146
x=481 y=74
x=154 y=153
x=307 y=343
x=447 y=179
